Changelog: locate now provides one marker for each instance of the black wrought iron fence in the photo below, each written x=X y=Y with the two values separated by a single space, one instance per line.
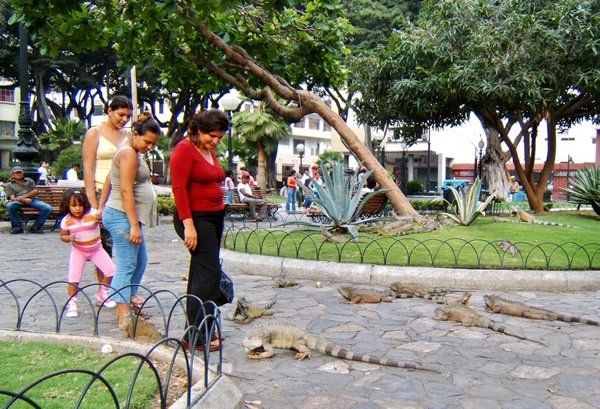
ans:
x=29 y=306
x=256 y=238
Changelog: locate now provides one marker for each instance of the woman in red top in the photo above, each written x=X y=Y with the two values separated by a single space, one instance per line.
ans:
x=199 y=214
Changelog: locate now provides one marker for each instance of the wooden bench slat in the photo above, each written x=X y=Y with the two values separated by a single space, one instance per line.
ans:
x=50 y=194
x=242 y=210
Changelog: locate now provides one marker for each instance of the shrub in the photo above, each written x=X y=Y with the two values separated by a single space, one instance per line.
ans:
x=3 y=212
x=67 y=158
x=166 y=205
x=414 y=187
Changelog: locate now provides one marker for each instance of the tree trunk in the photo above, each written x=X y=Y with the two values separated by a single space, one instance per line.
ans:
x=261 y=175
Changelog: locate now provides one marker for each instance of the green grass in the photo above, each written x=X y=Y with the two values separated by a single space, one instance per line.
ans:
x=541 y=247
x=24 y=363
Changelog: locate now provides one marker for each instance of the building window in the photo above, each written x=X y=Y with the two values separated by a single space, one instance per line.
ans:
x=161 y=107
x=299 y=124
x=7 y=95
x=314 y=123
x=326 y=127
x=98 y=110
x=7 y=128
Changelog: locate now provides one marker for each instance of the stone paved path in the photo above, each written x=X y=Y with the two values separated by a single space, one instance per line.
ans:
x=480 y=368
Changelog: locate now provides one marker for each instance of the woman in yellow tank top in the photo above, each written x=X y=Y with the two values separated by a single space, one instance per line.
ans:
x=99 y=146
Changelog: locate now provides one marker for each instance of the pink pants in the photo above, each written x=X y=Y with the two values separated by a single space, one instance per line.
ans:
x=96 y=255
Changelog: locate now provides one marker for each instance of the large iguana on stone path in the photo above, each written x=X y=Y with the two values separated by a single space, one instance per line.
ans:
x=415 y=289
x=439 y=299
x=496 y=304
x=264 y=338
x=469 y=318
x=248 y=311
x=355 y=295
x=144 y=331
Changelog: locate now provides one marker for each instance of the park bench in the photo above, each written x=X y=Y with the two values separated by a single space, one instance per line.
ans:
x=375 y=207
x=241 y=211
x=51 y=194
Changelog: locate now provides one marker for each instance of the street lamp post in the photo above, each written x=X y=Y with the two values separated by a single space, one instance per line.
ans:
x=25 y=152
x=377 y=139
x=479 y=164
x=428 y=159
x=230 y=102
x=299 y=193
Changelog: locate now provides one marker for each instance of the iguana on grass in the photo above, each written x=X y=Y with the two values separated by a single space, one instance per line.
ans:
x=264 y=338
x=496 y=304
x=416 y=289
x=355 y=295
x=468 y=317
x=248 y=311
x=525 y=217
x=145 y=331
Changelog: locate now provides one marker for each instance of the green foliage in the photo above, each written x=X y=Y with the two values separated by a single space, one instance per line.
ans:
x=66 y=159
x=428 y=205
x=3 y=213
x=585 y=187
x=414 y=187
x=328 y=158
x=467 y=205
x=5 y=175
x=166 y=205
x=337 y=202
x=66 y=131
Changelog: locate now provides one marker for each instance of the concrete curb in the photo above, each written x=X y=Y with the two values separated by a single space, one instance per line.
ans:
x=369 y=274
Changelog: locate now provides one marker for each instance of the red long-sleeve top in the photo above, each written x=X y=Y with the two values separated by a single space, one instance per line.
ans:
x=196 y=183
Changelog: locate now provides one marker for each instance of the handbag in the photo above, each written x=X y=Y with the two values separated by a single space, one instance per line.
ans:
x=226 y=287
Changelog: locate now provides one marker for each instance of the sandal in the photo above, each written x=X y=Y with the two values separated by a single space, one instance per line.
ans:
x=214 y=346
x=137 y=300
x=138 y=311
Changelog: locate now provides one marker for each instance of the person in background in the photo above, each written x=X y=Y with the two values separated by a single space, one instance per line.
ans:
x=199 y=217
x=229 y=187
x=128 y=201
x=513 y=188
x=72 y=173
x=21 y=192
x=245 y=171
x=43 y=171
x=80 y=227
x=292 y=188
x=99 y=147
x=246 y=196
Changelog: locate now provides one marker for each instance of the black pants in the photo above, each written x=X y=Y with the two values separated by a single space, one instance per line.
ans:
x=205 y=268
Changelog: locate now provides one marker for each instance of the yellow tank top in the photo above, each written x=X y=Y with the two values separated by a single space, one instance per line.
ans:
x=104 y=155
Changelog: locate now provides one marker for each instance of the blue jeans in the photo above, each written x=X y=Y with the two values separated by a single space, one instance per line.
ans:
x=13 y=212
x=229 y=197
x=130 y=259
x=291 y=200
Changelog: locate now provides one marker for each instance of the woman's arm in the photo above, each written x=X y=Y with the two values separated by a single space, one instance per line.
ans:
x=90 y=148
x=127 y=162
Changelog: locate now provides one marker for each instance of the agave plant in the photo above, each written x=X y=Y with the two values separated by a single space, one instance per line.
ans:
x=468 y=207
x=337 y=202
x=585 y=187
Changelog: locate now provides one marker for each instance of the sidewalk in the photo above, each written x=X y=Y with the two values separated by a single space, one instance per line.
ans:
x=480 y=368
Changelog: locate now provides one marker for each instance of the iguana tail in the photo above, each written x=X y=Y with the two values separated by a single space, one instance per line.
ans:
x=496 y=326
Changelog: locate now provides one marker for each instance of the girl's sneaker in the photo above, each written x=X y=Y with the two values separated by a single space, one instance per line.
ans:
x=103 y=298
x=72 y=308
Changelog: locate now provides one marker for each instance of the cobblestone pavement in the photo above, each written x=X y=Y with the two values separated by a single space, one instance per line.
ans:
x=479 y=368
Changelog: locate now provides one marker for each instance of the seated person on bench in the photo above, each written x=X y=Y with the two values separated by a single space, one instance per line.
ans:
x=21 y=192
x=245 y=193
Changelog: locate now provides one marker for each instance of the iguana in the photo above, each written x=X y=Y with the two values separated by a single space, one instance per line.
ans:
x=249 y=311
x=525 y=217
x=264 y=338
x=282 y=283
x=416 y=289
x=355 y=295
x=438 y=299
x=145 y=331
x=468 y=317
x=331 y=238
x=496 y=304
x=508 y=247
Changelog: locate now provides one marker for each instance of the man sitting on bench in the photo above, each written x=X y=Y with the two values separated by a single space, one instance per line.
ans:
x=245 y=193
x=21 y=192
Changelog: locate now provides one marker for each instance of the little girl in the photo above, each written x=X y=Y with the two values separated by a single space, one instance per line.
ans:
x=229 y=187
x=80 y=227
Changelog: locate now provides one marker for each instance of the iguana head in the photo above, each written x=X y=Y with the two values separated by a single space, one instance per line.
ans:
x=252 y=343
x=345 y=291
x=441 y=314
x=489 y=302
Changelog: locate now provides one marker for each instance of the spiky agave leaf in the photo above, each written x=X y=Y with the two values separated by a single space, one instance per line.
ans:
x=468 y=206
x=337 y=202
x=585 y=187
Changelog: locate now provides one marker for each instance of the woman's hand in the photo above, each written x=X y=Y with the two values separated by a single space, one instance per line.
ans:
x=190 y=237
x=135 y=235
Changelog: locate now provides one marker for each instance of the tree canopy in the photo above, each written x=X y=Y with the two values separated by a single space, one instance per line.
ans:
x=516 y=63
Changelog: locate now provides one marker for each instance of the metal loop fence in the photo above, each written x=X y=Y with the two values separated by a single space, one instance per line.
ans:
x=32 y=307
x=274 y=240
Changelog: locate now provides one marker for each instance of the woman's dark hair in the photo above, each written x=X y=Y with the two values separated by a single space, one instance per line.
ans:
x=79 y=196
x=229 y=173
x=118 y=102
x=145 y=123
x=292 y=172
x=206 y=122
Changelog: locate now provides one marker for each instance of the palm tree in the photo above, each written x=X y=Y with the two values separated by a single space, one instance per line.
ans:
x=263 y=129
x=65 y=133
x=328 y=158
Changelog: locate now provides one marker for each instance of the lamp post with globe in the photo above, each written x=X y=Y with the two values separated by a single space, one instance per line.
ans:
x=229 y=102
